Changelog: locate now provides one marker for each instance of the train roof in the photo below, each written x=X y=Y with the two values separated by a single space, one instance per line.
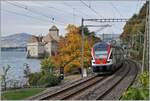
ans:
x=101 y=43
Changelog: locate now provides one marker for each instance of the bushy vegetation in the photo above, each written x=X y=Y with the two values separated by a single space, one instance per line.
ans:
x=136 y=94
x=144 y=79
x=46 y=77
x=4 y=75
x=134 y=30
x=68 y=57
x=135 y=24
x=69 y=52
x=141 y=92
x=49 y=80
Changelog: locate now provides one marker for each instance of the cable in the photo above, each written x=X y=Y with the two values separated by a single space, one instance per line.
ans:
x=91 y=8
x=58 y=10
x=137 y=6
x=116 y=9
x=35 y=12
x=26 y=8
x=23 y=15
x=75 y=8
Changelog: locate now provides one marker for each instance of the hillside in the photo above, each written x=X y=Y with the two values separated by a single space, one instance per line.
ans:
x=134 y=30
x=135 y=25
x=15 y=40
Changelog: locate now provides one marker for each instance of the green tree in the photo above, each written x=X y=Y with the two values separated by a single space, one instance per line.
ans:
x=5 y=70
x=135 y=24
x=27 y=72
x=47 y=65
x=34 y=78
x=144 y=79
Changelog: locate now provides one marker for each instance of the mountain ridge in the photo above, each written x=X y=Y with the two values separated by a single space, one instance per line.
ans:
x=15 y=40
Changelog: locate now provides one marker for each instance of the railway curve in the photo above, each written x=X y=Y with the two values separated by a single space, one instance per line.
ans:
x=96 y=87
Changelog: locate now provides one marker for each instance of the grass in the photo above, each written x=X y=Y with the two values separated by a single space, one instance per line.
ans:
x=20 y=94
x=136 y=94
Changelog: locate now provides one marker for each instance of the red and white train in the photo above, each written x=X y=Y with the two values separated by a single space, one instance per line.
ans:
x=106 y=57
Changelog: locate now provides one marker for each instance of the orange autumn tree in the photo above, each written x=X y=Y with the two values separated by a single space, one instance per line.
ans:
x=69 y=55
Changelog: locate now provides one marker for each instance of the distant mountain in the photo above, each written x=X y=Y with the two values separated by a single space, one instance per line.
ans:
x=15 y=40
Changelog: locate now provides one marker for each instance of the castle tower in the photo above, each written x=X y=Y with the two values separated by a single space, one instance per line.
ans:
x=54 y=32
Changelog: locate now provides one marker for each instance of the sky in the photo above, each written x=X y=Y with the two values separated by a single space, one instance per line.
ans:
x=36 y=17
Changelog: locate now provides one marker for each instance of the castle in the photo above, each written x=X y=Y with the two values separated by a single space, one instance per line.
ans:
x=37 y=47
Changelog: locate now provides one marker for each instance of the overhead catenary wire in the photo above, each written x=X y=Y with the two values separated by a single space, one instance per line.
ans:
x=91 y=8
x=35 y=12
x=61 y=11
x=75 y=15
x=138 y=5
x=27 y=8
x=66 y=4
x=20 y=14
x=116 y=9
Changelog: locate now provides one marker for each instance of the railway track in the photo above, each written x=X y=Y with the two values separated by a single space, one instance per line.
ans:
x=46 y=95
x=97 y=87
x=115 y=91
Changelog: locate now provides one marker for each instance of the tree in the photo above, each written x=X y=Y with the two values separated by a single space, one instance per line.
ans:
x=135 y=24
x=34 y=78
x=4 y=75
x=47 y=65
x=46 y=77
x=134 y=29
x=86 y=31
x=27 y=72
x=69 y=55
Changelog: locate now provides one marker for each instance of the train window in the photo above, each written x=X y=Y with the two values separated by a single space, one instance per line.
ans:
x=101 y=54
x=101 y=50
x=101 y=47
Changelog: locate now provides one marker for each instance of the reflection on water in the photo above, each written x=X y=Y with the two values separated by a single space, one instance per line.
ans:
x=16 y=59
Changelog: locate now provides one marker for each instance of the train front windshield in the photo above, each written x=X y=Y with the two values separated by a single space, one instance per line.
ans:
x=101 y=51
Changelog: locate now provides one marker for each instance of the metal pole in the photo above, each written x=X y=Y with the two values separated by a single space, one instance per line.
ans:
x=82 y=53
x=145 y=41
x=0 y=65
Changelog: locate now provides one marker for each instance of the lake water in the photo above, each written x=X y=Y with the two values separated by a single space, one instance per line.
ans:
x=16 y=59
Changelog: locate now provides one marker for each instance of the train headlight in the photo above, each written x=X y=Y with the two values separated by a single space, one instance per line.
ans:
x=108 y=61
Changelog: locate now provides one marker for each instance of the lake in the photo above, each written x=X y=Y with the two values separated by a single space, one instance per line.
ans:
x=16 y=59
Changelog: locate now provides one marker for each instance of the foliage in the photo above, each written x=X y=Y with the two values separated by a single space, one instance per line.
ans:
x=48 y=80
x=4 y=75
x=69 y=55
x=86 y=31
x=135 y=29
x=141 y=93
x=136 y=94
x=46 y=77
x=144 y=79
x=27 y=72
x=33 y=78
x=20 y=93
x=135 y=24
x=47 y=65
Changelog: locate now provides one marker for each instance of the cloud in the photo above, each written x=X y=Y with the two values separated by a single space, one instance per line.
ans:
x=29 y=3
x=62 y=12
